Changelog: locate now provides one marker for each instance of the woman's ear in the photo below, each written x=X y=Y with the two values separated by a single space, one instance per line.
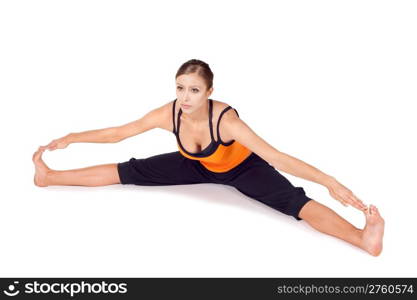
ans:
x=210 y=91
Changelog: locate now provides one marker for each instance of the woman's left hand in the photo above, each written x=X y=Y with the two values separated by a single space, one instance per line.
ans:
x=341 y=193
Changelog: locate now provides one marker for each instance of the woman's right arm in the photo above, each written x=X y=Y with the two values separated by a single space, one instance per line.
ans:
x=106 y=135
x=156 y=118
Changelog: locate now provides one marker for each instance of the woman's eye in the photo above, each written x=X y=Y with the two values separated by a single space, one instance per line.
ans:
x=194 y=90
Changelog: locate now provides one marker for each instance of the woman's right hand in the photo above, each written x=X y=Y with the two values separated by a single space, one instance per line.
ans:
x=60 y=143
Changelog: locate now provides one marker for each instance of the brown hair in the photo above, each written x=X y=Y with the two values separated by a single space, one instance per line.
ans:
x=197 y=66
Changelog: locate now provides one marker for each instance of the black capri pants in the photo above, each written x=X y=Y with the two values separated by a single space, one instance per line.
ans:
x=254 y=177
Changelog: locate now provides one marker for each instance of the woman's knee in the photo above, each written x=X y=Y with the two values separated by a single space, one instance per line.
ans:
x=312 y=209
x=113 y=174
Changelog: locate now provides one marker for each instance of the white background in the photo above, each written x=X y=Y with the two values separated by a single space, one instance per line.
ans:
x=332 y=83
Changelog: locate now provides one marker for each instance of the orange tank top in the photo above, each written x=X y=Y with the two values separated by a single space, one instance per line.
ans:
x=218 y=156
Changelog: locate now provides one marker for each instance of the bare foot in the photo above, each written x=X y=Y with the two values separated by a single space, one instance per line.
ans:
x=41 y=169
x=373 y=232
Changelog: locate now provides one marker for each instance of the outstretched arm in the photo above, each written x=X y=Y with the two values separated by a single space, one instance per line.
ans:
x=242 y=133
x=238 y=130
x=156 y=118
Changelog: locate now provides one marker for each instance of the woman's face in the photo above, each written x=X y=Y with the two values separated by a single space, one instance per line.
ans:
x=191 y=91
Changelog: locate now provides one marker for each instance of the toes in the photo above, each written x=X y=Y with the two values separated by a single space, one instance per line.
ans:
x=38 y=153
x=371 y=210
x=34 y=155
x=374 y=212
x=377 y=213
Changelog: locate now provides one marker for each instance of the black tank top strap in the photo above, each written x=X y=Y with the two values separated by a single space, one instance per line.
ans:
x=178 y=122
x=211 y=119
x=174 y=130
x=218 y=125
x=236 y=112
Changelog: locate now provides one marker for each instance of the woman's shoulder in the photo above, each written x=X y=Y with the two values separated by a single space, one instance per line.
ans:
x=163 y=114
x=228 y=116
x=220 y=106
x=218 y=103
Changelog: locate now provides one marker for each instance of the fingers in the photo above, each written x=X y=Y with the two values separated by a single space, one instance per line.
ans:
x=358 y=206
x=338 y=198
x=40 y=149
x=346 y=196
x=359 y=201
x=342 y=202
x=52 y=146
x=356 y=202
x=353 y=204
x=361 y=206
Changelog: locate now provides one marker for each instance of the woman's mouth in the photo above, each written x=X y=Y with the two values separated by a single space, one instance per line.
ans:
x=185 y=106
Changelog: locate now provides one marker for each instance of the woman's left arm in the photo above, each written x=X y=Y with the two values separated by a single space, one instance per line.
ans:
x=238 y=130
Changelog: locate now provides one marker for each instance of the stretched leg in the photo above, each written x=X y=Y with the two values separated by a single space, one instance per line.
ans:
x=259 y=180
x=162 y=169
x=91 y=176
x=325 y=220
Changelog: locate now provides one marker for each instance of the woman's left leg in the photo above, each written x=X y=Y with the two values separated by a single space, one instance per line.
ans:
x=327 y=221
x=258 y=180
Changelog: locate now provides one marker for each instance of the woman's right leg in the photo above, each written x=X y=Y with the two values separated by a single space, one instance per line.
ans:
x=162 y=169
x=90 y=176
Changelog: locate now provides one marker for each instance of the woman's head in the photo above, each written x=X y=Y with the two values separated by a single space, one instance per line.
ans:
x=194 y=84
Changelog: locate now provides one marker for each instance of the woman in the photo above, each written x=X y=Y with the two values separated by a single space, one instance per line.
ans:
x=216 y=146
